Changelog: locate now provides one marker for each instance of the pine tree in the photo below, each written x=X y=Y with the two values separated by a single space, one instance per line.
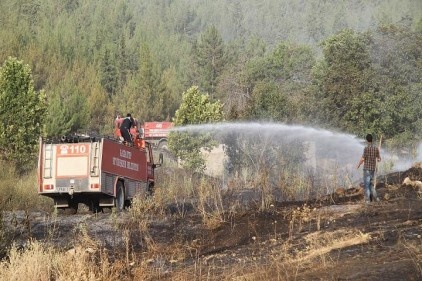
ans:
x=210 y=59
x=109 y=75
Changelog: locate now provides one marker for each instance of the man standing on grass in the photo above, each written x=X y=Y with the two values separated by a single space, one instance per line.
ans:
x=371 y=155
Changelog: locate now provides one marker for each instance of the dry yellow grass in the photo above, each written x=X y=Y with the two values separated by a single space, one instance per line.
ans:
x=321 y=243
x=181 y=259
x=41 y=262
x=287 y=263
x=20 y=192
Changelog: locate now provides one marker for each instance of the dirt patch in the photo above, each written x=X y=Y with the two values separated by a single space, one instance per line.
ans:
x=334 y=238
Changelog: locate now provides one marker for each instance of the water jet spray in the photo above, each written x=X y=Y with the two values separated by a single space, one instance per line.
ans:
x=278 y=148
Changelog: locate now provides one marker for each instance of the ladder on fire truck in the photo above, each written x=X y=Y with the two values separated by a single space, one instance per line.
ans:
x=48 y=160
x=95 y=159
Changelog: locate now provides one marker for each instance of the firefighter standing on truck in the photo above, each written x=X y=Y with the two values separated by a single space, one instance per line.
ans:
x=127 y=123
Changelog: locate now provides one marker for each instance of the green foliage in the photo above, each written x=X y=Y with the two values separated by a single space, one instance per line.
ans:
x=346 y=48
x=101 y=113
x=22 y=111
x=267 y=103
x=291 y=62
x=196 y=108
x=397 y=58
x=150 y=96
x=210 y=59
x=171 y=89
x=108 y=73
x=371 y=82
x=418 y=27
x=235 y=84
x=67 y=112
x=139 y=56
x=278 y=81
x=365 y=113
x=342 y=79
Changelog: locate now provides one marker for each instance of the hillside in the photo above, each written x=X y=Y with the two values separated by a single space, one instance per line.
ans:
x=333 y=238
x=284 y=61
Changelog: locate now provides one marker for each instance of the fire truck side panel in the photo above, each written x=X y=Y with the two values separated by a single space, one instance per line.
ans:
x=132 y=187
x=127 y=162
x=107 y=183
x=135 y=187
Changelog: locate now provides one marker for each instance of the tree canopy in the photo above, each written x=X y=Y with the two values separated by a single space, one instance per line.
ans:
x=22 y=113
x=335 y=65
x=370 y=82
x=196 y=108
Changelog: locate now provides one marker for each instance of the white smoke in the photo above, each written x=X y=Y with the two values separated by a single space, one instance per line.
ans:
x=419 y=153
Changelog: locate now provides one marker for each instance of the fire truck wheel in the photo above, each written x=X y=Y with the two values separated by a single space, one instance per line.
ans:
x=94 y=207
x=150 y=191
x=120 y=197
x=73 y=208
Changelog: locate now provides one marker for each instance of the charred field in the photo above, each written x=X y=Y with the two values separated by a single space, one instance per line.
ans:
x=335 y=237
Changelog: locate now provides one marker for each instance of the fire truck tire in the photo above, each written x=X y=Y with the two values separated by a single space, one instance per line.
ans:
x=73 y=207
x=150 y=191
x=94 y=207
x=120 y=197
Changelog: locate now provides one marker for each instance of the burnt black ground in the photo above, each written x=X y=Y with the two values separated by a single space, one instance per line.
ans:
x=251 y=240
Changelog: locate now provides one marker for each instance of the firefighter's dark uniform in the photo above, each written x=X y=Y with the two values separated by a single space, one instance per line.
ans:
x=125 y=128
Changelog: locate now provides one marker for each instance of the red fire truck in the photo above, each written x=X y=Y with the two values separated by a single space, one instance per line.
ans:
x=96 y=171
x=157 y=133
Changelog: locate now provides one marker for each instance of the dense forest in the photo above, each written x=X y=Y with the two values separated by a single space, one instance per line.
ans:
x=354 y=66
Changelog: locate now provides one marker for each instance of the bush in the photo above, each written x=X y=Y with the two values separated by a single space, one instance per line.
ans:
x=19 y=192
